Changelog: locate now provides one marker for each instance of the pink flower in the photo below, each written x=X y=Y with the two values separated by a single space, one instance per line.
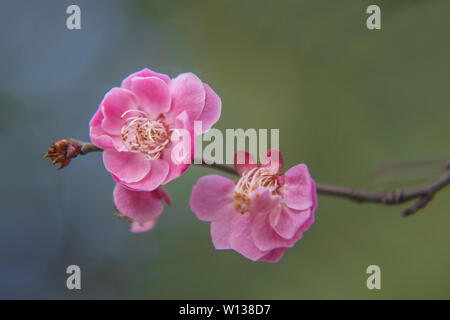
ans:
x=261 y=214
x=142 y=207
x=141 y=126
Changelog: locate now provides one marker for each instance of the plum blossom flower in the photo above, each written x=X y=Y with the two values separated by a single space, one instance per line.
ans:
x=141 y=126
x=262 y=213
x=143 y=208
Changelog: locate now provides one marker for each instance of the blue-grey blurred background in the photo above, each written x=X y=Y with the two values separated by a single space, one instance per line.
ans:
x=346 y=100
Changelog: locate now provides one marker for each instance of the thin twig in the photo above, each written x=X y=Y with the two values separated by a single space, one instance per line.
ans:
x=86 y=147
x=423 y=193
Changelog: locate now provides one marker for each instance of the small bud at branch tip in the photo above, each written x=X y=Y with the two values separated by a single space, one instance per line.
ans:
x=62 y=152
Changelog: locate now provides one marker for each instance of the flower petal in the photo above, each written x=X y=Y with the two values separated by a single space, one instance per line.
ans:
x=311 y=219
x=241 y=239
x=126 y=83
x=274 y=255
x=263 y=201
x=220 y=234
x=188 y=94
x=287 y=221
x=114 y=104
x=262 y=208
x=141 y=206
x=100 y=137
x=212 y=198
x=308 y=223
x=212 y=109
x=163 y=194
x=153 y=94
x=97 y=135
x=175 y=170
x=265 y=237
x=158 y=173
x=298 y=188
x=273 y=160
x=127 y=166
x=139 y=227
x=180 y=153
x=244 y=161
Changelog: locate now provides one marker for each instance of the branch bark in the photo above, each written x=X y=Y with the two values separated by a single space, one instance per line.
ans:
x=423 y=194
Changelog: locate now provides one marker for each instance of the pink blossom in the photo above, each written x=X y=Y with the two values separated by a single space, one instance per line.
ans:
x=142 y=207
x=141 y=124
x=262 y=213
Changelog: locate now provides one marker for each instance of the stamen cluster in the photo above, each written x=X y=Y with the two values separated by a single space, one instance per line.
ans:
x=141 y=134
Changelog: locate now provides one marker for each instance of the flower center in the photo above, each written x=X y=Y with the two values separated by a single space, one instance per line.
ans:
x=141 y=134
x=252 y=180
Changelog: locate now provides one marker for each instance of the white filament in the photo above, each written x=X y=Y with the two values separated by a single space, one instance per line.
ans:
x=255 y=178
x=140 y=134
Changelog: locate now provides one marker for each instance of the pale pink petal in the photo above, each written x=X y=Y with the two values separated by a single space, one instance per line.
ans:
x=298 y=188
x=158 y=173
x=273 y=160
x=262 y=232
x=220 y=234
x=212 y=198
x=97 y=134
x=117 y=143
x=212 y=109
x=163 y=194
x=141 y=206
x=153 y=94
x=311 y=219
x=188 y=94
x=126 y=83
x=100 y=140
x=314 y=193
x=105 y=140
x=241 y=239
x=96 y=119
x=180 y=153
x=287 y=222
x=99 y=137
x=244 y=161
x=127 y=166
x=175 y=170
x=114 y=104
x=274 y=255
x=308 y=223
x=263 y=201
x=137 y=227
x=264 y=237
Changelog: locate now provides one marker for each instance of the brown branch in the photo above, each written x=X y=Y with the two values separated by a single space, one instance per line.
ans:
x=219 y=166
x=86 y=147
x=424 y=193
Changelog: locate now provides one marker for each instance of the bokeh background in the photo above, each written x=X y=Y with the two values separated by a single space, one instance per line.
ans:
x=346 y=100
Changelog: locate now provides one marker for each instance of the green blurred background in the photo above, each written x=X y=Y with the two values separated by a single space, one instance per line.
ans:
x=346 y=100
